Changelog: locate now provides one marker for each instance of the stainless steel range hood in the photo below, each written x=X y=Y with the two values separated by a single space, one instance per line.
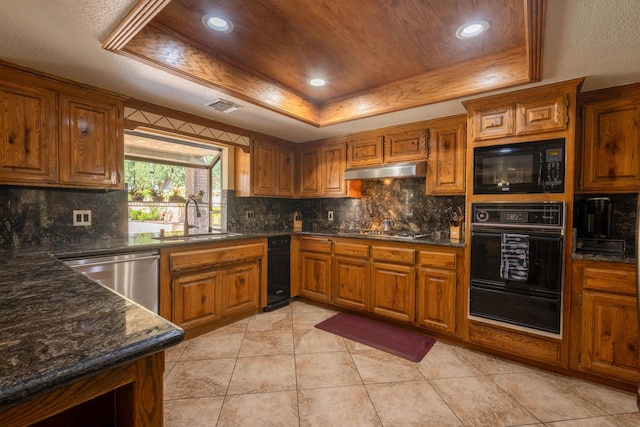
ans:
x=400 y=170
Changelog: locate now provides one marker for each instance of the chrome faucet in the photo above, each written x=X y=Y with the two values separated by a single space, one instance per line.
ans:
x=186 y=216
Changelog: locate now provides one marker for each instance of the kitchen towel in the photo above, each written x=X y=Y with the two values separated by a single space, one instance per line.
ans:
x=514 y=257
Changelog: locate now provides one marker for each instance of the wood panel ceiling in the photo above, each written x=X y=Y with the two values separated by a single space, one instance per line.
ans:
x=376 y=56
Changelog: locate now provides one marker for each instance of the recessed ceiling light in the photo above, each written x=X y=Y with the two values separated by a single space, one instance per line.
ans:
x=472 y=29
x=218 y=23
x=317 y=82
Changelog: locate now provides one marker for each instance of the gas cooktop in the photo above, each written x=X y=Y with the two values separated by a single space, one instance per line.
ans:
x=385 y=234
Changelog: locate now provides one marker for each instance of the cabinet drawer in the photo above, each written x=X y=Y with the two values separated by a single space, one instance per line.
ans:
x=394 y=255
x=607 y=279
x=315 y=245
x=438 y=259
x=351 y=249
x=202 y=257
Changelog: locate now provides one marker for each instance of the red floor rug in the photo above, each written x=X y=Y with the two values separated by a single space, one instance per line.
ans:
x=406 y=344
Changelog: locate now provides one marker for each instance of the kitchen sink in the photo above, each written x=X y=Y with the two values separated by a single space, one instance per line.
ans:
x=207 y=236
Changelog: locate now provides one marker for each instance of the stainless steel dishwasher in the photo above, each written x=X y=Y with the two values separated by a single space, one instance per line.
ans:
x=134 y=275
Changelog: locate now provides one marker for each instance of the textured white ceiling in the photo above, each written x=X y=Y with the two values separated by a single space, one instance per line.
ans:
x=597 y=39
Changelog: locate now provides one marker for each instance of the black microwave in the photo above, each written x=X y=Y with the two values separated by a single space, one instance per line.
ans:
x=526 y=167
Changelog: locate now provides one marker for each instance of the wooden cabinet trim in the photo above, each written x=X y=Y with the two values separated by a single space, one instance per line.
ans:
x=609 y=279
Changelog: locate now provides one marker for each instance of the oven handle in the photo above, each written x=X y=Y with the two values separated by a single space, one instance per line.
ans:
x=517 y=228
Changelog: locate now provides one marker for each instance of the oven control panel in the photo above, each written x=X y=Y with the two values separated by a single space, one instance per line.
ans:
x=542 y=214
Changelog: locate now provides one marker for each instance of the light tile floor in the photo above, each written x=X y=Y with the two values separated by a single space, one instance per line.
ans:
x=276 y=369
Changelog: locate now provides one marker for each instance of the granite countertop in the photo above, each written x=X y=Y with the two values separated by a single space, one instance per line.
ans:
x=58 y=327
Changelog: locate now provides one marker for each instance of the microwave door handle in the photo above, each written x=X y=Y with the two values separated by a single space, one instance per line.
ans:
x=540 y=171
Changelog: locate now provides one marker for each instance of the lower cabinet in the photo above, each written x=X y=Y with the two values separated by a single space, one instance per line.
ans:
x=393 y=282
x=315 y=266
x=436 y=296
x=609 y=342
x=351 y=275
x=204 y=286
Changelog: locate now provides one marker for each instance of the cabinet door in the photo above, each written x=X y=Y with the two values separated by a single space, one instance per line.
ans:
x=91 y=142
x=611 y=147
x=364 y=152
x=610 y=335
x=240 y=288
x=29 y=135
x=393 y=291
x=351 y=282
x=492 y=123
x=542 y=115
x=196 y=299
x=264 y=168
x=446 y=158
x=310 y=175
x=333 y=166
x=437 y=299
x=286 y=171
x=405 y=146
x=316 y=276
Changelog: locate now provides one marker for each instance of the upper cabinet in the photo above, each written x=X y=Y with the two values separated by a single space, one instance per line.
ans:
x=446 y=156
x=29 y=134
x=519 y=118
x=269 y=169
x=91 y=145
x=611 y=140
x=364 y=151
x=406 y=145
x=58 y=135
x=322 y=168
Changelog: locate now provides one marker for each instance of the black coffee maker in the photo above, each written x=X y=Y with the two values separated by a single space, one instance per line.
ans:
x=594 y=227
x=594 y=216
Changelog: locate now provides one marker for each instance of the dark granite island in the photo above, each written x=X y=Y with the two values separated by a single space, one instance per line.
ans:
x=74 y=348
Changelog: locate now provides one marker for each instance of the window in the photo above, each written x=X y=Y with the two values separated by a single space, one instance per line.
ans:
x=162 y=172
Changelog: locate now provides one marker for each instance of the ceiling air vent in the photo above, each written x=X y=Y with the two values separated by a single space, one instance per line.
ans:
x=223 y=106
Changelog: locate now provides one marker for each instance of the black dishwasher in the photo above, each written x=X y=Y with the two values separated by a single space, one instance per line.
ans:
x=278 y=272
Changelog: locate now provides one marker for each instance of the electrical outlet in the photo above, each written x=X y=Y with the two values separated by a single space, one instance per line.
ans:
x=249 y=215
x=330 y=216
x=81 y=217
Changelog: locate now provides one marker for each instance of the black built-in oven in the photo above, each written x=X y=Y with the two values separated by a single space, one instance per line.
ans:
x=516 y=264
x=522 y=168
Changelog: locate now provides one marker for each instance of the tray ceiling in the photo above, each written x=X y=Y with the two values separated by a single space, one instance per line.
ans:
x=377 y=57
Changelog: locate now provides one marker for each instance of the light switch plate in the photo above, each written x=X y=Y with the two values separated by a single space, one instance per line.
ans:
x=81 y=217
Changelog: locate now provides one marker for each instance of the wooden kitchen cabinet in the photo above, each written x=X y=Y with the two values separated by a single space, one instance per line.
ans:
x=351 y=275
x=56 y=134
x=315 y=268
x=240 y=292
x=91 y=141
x=29 y=134
x=364 y=151
x=203 y=286
x=611 y=141
x=437 y=291
x=446 y=157
x=322 y=168
x=196 y=299
x=268 y=170
x=405 y=145
x=521 y=113
x=609 y=342
x=393 y=278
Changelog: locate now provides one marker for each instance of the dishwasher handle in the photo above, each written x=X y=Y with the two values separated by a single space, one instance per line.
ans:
x=116 y=261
